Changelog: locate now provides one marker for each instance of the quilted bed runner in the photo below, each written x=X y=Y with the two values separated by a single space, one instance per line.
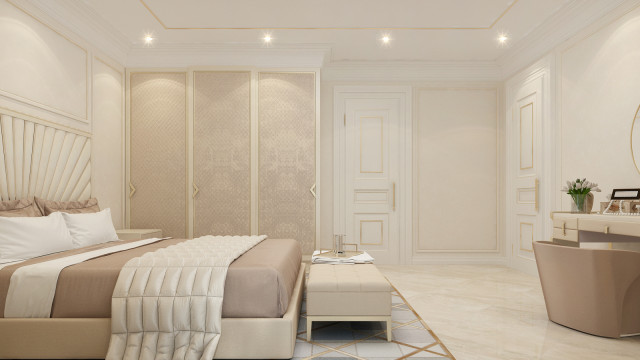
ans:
x=167 y=304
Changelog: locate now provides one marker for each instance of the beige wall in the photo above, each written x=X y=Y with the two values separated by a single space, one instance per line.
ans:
x=49 y=73
x=456 y=151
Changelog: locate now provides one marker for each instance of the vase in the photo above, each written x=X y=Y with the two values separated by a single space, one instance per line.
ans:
x=582 y=203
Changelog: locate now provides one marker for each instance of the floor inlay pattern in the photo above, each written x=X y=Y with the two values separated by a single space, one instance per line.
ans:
x=412 y=338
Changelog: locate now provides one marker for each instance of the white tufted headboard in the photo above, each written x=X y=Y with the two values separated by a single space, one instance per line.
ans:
x=43 y=160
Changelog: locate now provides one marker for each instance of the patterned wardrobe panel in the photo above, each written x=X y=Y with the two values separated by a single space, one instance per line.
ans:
x=287 y=156
x=43 y=161
x=222 y=153
x=158 y=152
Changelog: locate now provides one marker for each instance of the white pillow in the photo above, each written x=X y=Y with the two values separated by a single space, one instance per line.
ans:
x=24 y=238
x=91 y=228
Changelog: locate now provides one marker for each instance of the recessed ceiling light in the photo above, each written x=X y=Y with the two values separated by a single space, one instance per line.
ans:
x=267 y=38
x=385 y=39
x=502 y=38
x=148 y=39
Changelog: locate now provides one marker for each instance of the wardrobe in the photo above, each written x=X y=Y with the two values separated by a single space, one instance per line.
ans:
x=213 y=152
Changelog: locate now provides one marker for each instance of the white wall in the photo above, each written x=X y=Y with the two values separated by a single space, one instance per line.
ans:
x=458 y=124
x=599 y=93
x=52 y=74
x=108 y=138
x=595 y=96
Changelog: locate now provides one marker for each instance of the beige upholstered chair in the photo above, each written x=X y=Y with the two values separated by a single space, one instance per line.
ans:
x=594 y=291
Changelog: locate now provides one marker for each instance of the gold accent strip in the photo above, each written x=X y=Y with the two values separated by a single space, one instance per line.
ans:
x=532 y=119
x=333 y=28
x=521 y=248
x=537 y=195
x=381 y=232
x=196 y=190
x=132 y=190
x=381 y=145
x=636 y=118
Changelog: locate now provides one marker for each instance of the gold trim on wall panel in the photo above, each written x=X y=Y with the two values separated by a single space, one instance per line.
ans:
x=520 y=243
x=331 y=28
x=381 y=232
x=636 y=118
x=532 y=136
x=519 y=191
x=87 y=76
x=381 y=145
x=416 y=176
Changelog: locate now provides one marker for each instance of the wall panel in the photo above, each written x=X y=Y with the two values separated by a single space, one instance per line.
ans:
x=457 y=170
x=222 y=153
x=41 y=67
x=287 y=156
x=158 y=152
x=108 y=146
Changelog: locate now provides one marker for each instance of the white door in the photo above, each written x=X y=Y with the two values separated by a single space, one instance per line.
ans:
x=371 y=176
x=525 y=161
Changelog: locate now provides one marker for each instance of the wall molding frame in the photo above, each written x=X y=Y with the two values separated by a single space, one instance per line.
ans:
x=492 y=256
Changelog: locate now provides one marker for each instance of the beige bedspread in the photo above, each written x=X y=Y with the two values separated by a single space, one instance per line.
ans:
x=259 y=283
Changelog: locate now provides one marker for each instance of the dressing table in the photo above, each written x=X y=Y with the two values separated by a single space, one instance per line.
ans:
x=594 y=227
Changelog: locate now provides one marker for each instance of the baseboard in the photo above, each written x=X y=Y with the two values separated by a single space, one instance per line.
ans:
x=460 y=260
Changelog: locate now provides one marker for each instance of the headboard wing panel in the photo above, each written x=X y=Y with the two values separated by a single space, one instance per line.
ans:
x=42 y=160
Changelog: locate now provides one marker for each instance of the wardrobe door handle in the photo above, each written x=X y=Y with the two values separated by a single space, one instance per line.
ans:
x=196 y=190
x=132 y=190
x=313 y=191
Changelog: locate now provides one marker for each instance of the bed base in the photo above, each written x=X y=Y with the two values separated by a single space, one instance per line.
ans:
x=88 y=338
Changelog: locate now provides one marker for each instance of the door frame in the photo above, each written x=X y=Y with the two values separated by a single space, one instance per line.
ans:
x=540 y=76
x=405 y=176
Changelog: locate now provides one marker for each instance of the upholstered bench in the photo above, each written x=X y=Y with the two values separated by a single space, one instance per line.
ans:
x=347 y=293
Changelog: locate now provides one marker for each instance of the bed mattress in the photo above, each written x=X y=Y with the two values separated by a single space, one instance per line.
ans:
x=259 y=283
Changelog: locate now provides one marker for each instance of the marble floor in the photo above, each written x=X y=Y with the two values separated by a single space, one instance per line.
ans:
x=494 y=312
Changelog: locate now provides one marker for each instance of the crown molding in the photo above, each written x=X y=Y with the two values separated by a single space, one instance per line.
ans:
x=185 y=55
x=566 y=23
x=412 y=71
x=86 y=23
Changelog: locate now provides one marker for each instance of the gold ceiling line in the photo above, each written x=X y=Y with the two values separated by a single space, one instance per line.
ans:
x=330 y=28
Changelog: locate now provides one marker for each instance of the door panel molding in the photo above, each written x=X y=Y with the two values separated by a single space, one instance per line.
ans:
x=376 y=196
x=529 y=93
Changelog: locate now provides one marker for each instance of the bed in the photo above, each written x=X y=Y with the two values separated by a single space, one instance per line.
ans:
x=263 y=294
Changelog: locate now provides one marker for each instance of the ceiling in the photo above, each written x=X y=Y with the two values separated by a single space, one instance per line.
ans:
x=420 y=30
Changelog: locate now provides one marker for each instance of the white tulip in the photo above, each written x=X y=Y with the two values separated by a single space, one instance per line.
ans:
x=578 y=186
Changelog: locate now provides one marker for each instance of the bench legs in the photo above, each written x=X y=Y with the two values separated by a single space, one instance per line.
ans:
x=311 y=319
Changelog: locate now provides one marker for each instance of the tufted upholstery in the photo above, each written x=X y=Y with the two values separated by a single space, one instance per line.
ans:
x=347 y=290
x=168 y=303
